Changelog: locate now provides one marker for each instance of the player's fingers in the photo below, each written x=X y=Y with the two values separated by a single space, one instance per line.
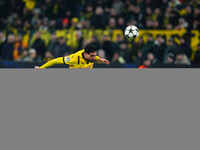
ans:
x=37 y=67
x=107 y=61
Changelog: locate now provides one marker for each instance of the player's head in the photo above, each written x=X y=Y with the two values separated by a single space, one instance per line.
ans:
x=90 y=51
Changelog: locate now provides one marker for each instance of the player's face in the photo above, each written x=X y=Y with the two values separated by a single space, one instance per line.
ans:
x=91 y=56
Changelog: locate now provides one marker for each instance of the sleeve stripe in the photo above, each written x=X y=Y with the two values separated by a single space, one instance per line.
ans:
x=78 y=59
x=64 y=60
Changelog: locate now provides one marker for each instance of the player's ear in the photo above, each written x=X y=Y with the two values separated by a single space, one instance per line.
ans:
x=86 y=54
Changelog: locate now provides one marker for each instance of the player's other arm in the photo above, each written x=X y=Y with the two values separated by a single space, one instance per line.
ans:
x=102 y=60
x=59 y=60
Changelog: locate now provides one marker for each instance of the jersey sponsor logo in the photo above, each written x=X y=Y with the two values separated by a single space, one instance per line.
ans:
x=67 y=59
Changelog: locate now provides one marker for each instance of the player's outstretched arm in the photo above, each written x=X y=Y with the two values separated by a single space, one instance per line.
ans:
x=50 y=63
x=103 y=60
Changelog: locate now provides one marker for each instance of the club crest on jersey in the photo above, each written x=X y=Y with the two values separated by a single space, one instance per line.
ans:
x=67 y=59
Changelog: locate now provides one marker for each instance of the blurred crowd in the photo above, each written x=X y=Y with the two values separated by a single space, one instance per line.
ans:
x=18 y=17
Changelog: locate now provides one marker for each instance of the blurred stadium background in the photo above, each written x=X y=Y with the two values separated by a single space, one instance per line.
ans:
x=35 y=31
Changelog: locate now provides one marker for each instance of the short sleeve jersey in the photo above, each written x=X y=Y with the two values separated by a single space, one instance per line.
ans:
x=77 y=61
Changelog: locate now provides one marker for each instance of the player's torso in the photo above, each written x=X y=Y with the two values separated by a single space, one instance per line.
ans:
x=80 y=62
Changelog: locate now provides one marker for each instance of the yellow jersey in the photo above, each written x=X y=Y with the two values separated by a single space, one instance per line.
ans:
x=75 y=61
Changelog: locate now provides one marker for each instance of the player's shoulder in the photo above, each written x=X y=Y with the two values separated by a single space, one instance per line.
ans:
x=80 y=51
x=74 y=55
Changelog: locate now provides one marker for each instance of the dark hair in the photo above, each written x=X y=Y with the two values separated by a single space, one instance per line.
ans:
x=92 y=47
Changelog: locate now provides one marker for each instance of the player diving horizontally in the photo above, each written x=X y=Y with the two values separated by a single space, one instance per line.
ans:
x=83 y=59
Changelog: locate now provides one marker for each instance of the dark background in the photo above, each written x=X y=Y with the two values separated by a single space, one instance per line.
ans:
x=19 y=20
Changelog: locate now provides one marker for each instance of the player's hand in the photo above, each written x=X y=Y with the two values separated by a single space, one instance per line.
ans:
x=105 y=61
x=37 y=68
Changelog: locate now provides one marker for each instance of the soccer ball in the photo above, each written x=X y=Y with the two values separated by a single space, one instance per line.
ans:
x=131 y=32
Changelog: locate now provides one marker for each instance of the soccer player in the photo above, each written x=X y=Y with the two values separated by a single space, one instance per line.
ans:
x=83 y=59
